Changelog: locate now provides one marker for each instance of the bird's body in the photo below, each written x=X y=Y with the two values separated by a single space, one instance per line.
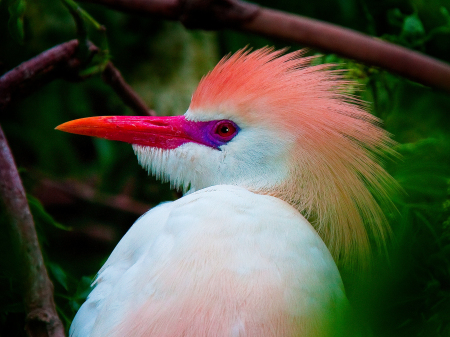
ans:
x=202 y=266
x=265 y=140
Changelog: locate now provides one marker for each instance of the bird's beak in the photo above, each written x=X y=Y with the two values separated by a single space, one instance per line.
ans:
x=161 y=132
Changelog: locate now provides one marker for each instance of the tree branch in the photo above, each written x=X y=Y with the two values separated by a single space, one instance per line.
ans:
x=112 y=76
x=42 y=319
x=348 y=43
x=32 y=74
x=62 y=61
x=246 y=17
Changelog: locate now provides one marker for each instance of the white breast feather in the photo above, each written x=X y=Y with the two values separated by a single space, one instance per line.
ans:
x=174 y=250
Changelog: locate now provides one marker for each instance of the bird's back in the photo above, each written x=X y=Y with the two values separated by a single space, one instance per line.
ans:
x=222 y=261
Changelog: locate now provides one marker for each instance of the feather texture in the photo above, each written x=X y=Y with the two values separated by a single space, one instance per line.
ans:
x=335 y=178
x=222 y=261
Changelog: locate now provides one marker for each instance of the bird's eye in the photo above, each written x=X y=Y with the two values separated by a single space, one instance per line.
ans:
x=225 y=130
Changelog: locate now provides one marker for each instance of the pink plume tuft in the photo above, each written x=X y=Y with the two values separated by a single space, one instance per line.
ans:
x=336 y=178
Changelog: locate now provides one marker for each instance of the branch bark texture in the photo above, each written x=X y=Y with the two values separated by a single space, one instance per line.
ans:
x=62 y=61
x=250 y=18
x=36 y=72
x=348 y=43
x=42 y=319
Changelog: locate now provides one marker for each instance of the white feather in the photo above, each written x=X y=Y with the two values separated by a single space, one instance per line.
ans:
x=256 y=159
x=219 y=228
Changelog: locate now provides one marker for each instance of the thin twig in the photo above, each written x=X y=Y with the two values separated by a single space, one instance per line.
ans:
x=112 y=76
x=42 y=319
x=246 y=17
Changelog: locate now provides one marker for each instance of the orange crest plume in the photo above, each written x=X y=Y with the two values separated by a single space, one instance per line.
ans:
x=336 y=180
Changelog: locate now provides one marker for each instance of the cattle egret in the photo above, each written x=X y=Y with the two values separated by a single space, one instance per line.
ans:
x=267 y=142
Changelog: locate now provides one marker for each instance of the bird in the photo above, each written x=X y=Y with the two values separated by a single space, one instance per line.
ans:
x=281 y=169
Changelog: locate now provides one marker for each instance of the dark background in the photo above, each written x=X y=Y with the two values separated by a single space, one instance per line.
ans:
x=85 y=193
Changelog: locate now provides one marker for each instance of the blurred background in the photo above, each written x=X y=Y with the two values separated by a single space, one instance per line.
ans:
x=85 y=193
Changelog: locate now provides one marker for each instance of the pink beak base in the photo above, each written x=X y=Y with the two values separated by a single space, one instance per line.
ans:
x=161 y=132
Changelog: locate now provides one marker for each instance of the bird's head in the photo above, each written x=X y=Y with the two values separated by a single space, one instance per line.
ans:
x=274 y=125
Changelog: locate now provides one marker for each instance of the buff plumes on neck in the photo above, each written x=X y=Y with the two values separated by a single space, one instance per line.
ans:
x=336 y=179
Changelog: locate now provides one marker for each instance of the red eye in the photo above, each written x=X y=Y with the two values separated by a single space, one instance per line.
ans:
x=223 y=131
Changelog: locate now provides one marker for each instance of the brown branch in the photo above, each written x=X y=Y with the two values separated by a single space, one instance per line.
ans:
x=216 y=14
x=246 y=17
x=203 y=14
x=348 y=43
x=42 y=319
x=32 y=74
x=62 y=61
x=112 y=76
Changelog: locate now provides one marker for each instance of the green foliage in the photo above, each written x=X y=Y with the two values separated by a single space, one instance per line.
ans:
x=412 y=32
x=15 y=24
x=83 y=21
x=40 y=216
x=409 y=295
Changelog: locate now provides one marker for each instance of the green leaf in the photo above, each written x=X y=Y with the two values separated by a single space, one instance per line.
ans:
x=82 y=292
x=83 y=20
x=59 y=274
x=84 y=288
x=15 y=23
x=412 y=26
x=445 y=13
x=40 y=214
